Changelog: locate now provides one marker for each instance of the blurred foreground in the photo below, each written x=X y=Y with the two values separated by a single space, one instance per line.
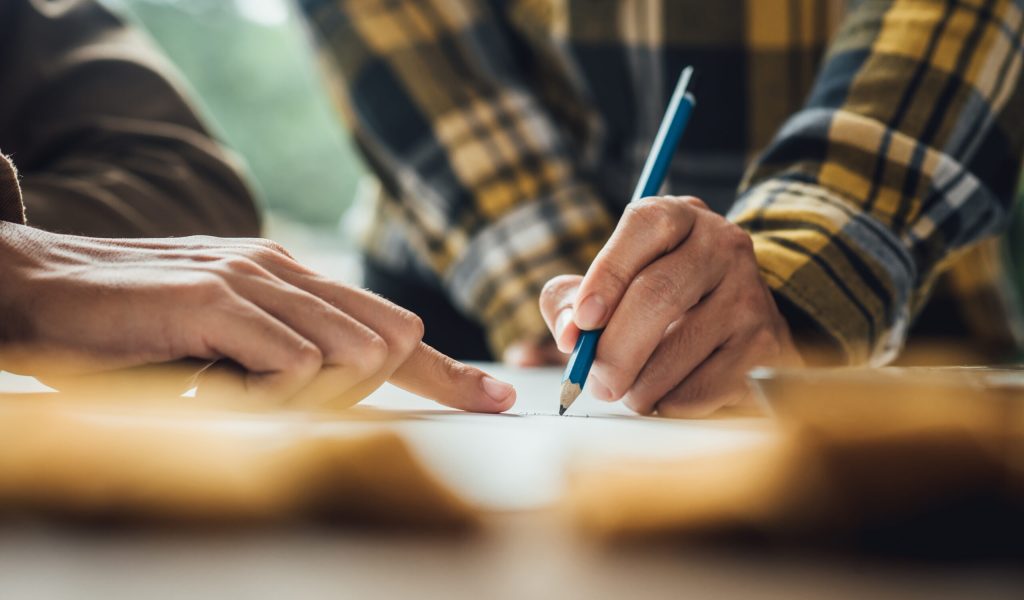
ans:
x=887 y=483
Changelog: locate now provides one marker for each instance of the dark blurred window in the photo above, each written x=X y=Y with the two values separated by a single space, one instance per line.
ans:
x=256 y=79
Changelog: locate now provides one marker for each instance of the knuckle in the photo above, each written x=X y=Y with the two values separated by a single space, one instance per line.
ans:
x=274 y=247
x=414 y=326
x=695 y=202
x=266 y=256
x=650 y=215
x=654 y=217
x=239 y=265
x=658 y=289
x=411 y=331
x=307 y=358
x=265 y=244
x=372 y=356
x=402 y=330
x=613 y=274
x=737 y=240
x=261 y=251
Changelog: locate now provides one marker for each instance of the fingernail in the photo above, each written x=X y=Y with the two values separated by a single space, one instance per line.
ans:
x=497 y=390
x=561 y=322
x=591 y=312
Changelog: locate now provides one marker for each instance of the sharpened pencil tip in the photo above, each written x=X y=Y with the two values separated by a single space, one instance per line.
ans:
x=570 y=391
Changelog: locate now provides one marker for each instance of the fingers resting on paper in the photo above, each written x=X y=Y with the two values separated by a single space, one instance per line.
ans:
x=281 y=332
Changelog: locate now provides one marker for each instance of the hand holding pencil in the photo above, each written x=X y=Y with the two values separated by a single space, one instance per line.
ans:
x=673 y=311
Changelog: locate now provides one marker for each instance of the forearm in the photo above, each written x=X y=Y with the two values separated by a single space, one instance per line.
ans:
x=843 y=280
x=484 y=187
x=12 y=322
x=169 y=184
x=908 y=152
x=105 y=139
x=15 y=262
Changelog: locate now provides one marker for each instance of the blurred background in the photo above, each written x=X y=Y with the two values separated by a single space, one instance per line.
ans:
x=255 y=74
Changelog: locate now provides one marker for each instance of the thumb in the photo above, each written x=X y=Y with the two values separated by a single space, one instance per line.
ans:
x=556 y=306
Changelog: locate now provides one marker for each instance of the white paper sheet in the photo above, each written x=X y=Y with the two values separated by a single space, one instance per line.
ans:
x=520 y=459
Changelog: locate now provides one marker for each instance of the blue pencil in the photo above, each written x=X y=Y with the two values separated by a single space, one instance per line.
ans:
x=673 y=124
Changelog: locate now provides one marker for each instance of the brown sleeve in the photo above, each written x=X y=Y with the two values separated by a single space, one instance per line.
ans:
x=104 y=139
x=11 y=208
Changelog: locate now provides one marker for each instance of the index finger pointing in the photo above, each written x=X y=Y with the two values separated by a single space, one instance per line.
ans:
x=433 y=375
x=648 y=230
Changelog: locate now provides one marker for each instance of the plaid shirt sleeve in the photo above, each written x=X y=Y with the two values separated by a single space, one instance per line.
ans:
x=908 y=151
x=441 y=107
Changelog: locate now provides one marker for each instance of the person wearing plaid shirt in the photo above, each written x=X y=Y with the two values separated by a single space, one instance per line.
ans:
x=863 y=148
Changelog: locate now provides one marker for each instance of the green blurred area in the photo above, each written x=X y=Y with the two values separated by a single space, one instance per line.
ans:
x=256 y=77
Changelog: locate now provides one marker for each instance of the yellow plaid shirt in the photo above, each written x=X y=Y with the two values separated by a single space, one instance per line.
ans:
x=880 y=141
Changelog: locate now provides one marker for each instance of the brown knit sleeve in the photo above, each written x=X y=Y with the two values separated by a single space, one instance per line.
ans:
x=105 y=140
x=11 y=208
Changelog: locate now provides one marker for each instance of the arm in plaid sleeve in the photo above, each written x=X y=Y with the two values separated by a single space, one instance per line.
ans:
x=908 y=150
x=440 y=105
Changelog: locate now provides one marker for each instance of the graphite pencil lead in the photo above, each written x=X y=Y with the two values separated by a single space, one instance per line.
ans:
x=570 y=391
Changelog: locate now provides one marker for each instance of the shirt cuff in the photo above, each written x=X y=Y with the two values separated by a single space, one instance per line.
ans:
x=849 y=275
